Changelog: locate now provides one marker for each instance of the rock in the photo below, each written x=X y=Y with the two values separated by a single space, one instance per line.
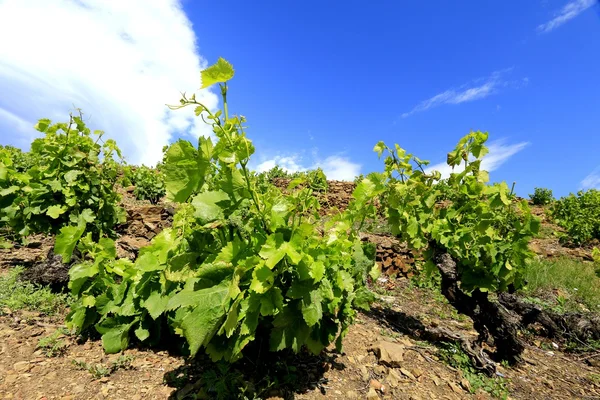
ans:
x=365 y=373
x=380 y=369
x=407 y=373
x=389 y=354
x=22 y=366
x=351 y=394
x=455 y=387
x=104 y=379
x=393 y=379
x=375 y=384
x=417 y=372
x=465 y=384
x=372 y=395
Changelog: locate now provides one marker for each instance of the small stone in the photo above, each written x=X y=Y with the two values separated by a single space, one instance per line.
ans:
x=365 y=373
x=436 y=380
x=104 y=391
x=407 y=373
x=465 y=384
x=393 y=379
x=372 y=395
x=380 y=369
x=22 y=366
x=351 y=394
x=375 y=384
x=389 y=354
x=417 y=372
x=104 y=379
x=10 y=379
x=455 y=388
x=79 y=389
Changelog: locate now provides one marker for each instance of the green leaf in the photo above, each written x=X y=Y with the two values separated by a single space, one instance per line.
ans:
x=275 y=249
x=312 y=310
x=142 y=333
x=199 y=298
x=88 y=215
x=156 y=304
x=207 y=206
x=222 y=71
x=262 y=279
x=200 y=325
x=115 y=335
x=55 y=211
x=67 y=239
x=184 y=170
x=42 y=125
x=71 y=176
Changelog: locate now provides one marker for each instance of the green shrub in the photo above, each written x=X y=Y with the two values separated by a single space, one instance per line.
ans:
x=236 y=264
x=579 y=215
x=67 y=185
x=541 y=196
x=149 y=184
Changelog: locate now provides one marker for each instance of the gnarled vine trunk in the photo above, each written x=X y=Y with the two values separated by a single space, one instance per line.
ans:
x=577 y=326
x=489 y=318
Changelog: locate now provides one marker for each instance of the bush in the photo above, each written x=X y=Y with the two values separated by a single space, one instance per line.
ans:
x=236 y=264
x=541 y=196
x=579 y=215
x=68 y=183
x=149 y=184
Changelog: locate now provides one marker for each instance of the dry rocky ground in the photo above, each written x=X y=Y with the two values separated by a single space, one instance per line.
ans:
x=382 y=358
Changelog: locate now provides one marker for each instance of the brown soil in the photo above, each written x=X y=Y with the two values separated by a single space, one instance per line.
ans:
x=26 y=373
x=546 y=373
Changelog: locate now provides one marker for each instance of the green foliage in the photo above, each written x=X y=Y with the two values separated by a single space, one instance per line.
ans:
x=317 y=180
x=149 y=184
x=21 y=161
x=21 y=295
x=236 y=262
x=454 y=356
x=576 y=279
x=127 y=176
x=102 y=370
x=68 y=182
x=579 y=215
x=485 y=232
x=596 y=258
x=541 y=196
x=53 y=345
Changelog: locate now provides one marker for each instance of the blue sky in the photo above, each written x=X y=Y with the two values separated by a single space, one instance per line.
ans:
x=322 y=82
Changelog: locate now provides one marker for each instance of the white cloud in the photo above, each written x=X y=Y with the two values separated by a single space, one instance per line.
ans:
x=567 y=13
x=120 y=61
x=335 y=167
x=475 y=90
x=339 y=168
x=592 y=181
x=498 y=154
x=288 y=164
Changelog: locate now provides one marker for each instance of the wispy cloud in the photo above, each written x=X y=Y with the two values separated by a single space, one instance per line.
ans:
x=499 y=153
x=572 y=9
x=592 y=181
x=474 y=90
x=335 y=167
x=120 y=61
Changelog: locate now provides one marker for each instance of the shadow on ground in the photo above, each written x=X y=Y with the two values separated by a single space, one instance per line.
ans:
x=270 y=374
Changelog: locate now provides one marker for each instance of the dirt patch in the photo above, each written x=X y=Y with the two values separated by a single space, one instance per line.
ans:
x=337 y=196
x=27 y=255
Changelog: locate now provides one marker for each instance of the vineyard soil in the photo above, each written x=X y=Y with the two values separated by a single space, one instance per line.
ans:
x=417 y=369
